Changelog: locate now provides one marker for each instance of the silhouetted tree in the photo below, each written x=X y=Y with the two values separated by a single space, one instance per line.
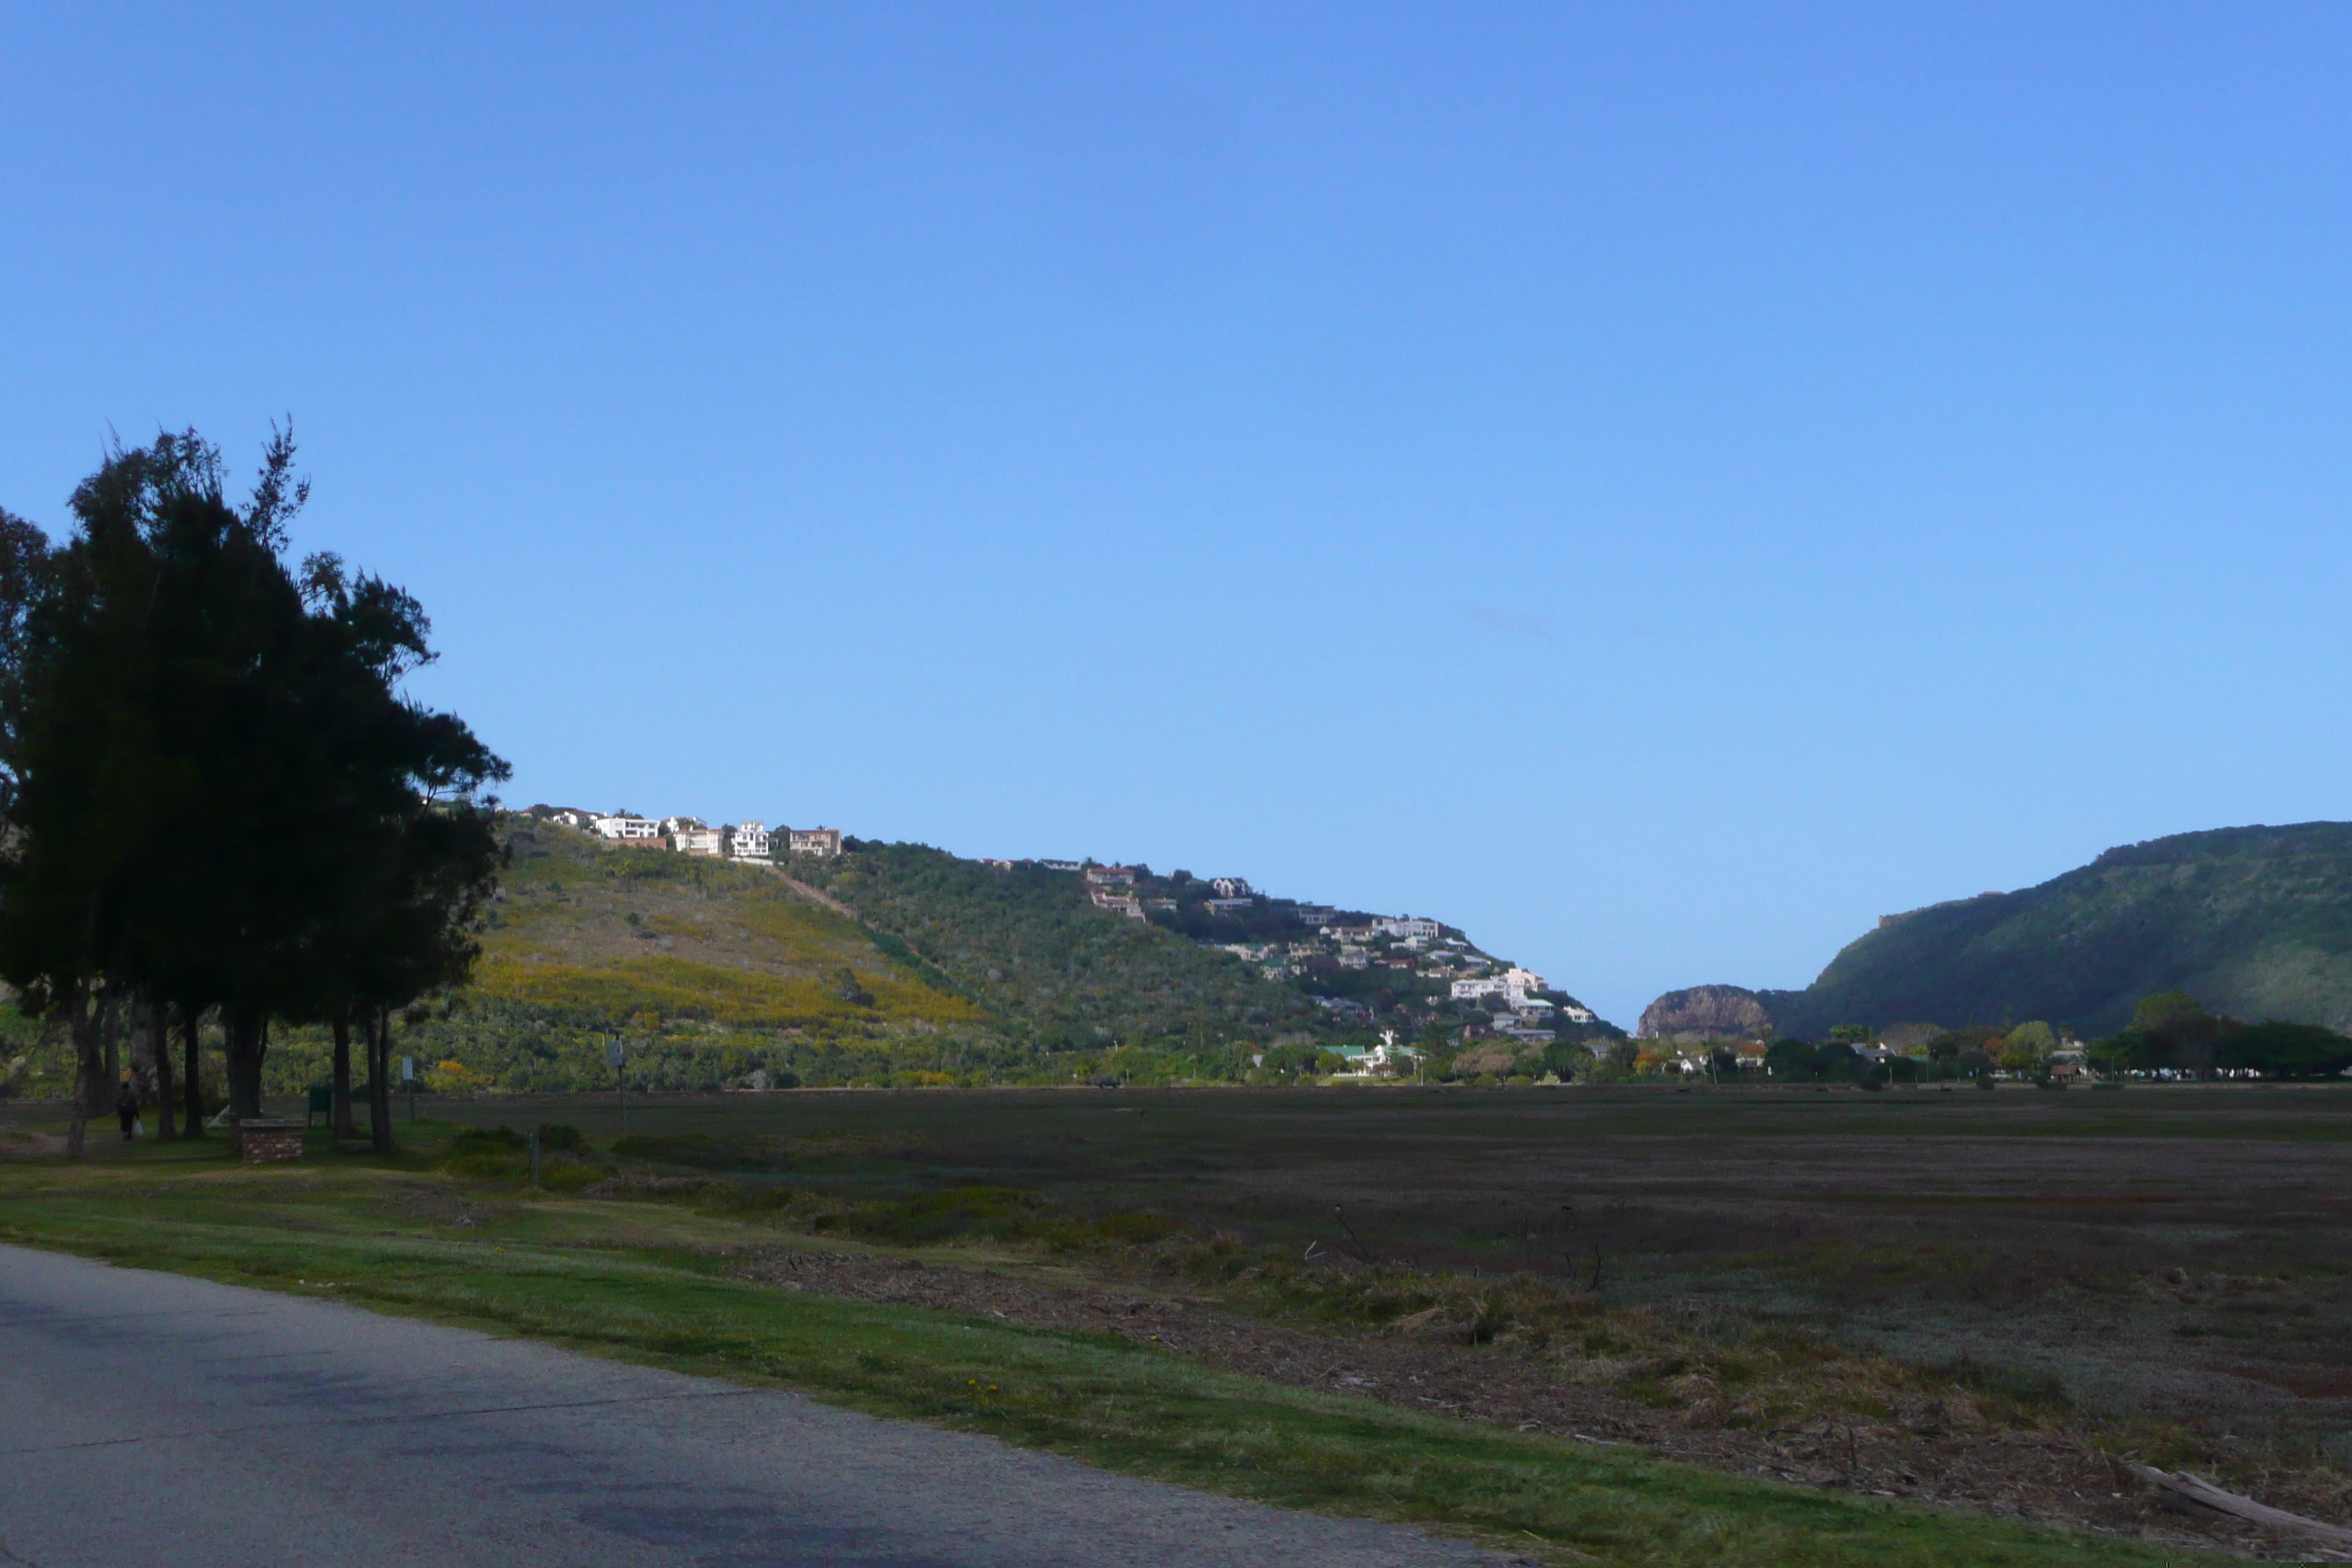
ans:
x=215 y=794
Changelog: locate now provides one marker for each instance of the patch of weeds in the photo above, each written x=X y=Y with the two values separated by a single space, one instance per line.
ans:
x=572 y=1176
x=927 y=1218
x=2028 y=1393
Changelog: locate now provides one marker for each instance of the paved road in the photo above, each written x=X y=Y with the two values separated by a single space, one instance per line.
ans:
x=147 y=1417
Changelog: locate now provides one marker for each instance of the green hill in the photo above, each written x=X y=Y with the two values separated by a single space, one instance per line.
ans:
x=2252 y=922
x=893 y=964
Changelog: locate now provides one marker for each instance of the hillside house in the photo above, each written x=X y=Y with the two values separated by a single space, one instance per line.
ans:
x=1404 y=926
x=703 y=841
x=1228 y=906
x=1316 y=915
x=1111 y=876
x=1230 y=887
x=621 y=829
x=748 y=841
x=1353 y=957
x=1061 y=864
x=824 y=843
x=1119 y=903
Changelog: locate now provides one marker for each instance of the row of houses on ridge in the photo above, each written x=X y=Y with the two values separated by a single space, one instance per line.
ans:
x=747 y=841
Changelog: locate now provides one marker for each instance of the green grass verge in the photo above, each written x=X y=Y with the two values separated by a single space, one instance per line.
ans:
x=617 y=1279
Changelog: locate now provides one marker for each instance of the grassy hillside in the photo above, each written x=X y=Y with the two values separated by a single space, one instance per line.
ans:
x=713 y=970
x=721 y=975
x=895 y=965
x=2253 y=921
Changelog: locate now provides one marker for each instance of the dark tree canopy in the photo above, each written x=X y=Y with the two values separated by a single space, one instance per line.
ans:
x=215 y=794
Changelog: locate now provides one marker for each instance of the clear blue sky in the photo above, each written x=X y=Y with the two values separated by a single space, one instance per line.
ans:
x=1660 y=486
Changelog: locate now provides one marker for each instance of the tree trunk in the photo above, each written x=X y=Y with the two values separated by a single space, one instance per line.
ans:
x=89 y=1065
x=249 y=1042
x=340 y=1118
x=111 y=1031
x=190 y=1036
x=379 y=1045
x=162 y=1028
x=93 y=1085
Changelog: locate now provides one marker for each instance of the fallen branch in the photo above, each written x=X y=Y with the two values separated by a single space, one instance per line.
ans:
x=2205 y=1494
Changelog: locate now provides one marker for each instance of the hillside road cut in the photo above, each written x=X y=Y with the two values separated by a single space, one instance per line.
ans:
x=148 y=1418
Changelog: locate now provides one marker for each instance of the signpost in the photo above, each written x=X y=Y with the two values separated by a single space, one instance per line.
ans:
x=408 y=1077
x=616 y=1058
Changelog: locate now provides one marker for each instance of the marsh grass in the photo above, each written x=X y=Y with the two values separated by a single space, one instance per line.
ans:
x=640 y=1281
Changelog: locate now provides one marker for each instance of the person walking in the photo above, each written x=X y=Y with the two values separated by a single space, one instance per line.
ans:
x=126 y=1106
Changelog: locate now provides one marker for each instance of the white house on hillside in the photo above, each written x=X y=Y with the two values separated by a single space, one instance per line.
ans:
x=698 y=840
x=748 y=841
x=621 y=829
x=1230 y=887
x=1405 y=926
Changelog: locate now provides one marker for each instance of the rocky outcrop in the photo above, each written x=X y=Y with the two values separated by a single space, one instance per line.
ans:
x=1714 y=1012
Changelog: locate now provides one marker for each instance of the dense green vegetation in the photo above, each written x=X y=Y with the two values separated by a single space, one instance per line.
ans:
x=1026 y=943
x=2254 y=922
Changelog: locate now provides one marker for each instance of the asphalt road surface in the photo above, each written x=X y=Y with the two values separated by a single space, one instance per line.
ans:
x=148 y=1418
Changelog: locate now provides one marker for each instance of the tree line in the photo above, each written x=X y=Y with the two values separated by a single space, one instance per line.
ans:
x=216 y=800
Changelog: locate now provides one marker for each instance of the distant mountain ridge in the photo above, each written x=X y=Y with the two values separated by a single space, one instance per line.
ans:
x=2253 y=921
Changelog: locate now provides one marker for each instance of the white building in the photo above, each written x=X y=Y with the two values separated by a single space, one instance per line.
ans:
x=1230 y=887
x=822 y=842
x=1228 y=906
x=1403 y=926
x=1118 y=903
x=1519 y=986
x=708 y=841
x=748 y=841
x=1111 y=876
x=1387 y=1059
x=621 y=829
